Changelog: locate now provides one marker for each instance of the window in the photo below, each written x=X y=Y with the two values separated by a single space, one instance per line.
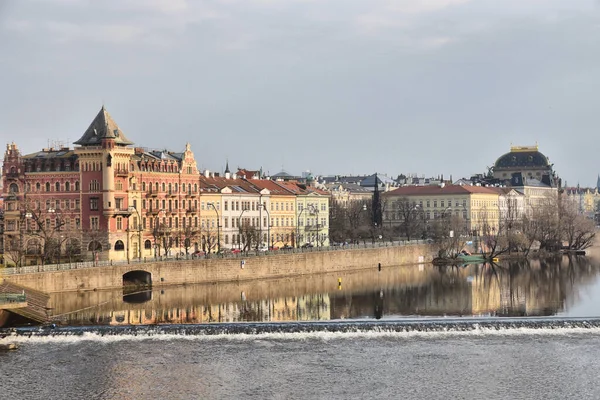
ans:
x=47 y=186
x=119 y=223
x=94 y=204
x=94 y=223
x=77 y=222
x=67 y=186
x=147 y=244
x=225 y=205
x=77 y=186
x=119 y=246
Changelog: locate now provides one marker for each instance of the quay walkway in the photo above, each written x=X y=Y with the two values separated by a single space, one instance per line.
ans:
x=187 y=257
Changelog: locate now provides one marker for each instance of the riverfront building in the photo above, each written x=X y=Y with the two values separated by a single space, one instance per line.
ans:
x=107 y=199
x=475 y=205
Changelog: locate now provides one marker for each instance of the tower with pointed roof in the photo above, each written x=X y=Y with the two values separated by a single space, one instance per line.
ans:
x=104 y=156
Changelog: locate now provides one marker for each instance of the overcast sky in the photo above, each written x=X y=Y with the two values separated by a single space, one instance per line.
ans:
x=338 y=87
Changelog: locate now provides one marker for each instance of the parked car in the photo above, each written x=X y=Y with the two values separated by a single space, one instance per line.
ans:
x=263 y=248
x=287 y=247
x=198 y=253
x=307 y=246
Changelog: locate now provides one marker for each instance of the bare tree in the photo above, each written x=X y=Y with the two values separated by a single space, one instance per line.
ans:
x=189 y=235
x=577 y=230
x=410 y=216
x=445 y=233
x=249 y=235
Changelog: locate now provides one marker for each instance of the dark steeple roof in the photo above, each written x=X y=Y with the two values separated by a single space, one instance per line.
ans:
x=227 y=167
x=103 y=126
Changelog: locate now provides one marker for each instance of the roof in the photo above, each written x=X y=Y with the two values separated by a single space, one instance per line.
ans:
x=348 y=187
x=51 y=153
x=103 y=127
x=218 y=183
x=271 y=186
x=439 y=190
x=381 y=180
x=522 y=157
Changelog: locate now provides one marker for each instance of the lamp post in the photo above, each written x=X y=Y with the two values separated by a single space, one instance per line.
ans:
x=218 y=227
x=156 y=232
x=315 y=211
x=298 y=228
x=240 y=228
x=268 y=225
x=139 y=229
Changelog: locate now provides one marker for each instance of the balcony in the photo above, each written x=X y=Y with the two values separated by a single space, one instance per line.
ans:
x=12 y=175
x=121 y=172
x=191 y=194
x=152 y=212
x=122 y=212
x=172 y=193
x=191 y=210
x=151 y=193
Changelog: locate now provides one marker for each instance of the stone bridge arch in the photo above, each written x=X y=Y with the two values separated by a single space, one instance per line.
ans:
x=137 y=277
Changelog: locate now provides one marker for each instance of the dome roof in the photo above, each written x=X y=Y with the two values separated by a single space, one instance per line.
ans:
x=522 y=157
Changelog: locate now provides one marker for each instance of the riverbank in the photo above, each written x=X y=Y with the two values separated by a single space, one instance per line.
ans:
x=235 y=269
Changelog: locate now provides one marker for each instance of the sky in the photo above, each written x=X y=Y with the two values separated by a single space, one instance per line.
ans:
x=336 y=87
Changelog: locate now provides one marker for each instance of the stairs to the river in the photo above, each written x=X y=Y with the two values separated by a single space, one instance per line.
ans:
x=37 y=302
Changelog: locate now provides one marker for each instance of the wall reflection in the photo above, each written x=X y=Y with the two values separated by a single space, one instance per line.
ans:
x=523 y=288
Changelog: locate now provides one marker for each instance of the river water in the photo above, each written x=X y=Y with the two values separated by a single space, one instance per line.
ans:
x=516 y=330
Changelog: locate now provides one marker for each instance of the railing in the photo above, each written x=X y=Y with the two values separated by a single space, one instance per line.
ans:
x=12 y=298
x=187 y=257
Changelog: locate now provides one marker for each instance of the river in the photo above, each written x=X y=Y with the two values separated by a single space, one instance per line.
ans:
x=515 y=330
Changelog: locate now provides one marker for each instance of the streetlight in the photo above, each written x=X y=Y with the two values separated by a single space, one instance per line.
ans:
x=240 y=228
x=139 y=229
x=218 y=227
x=298 y=228
x=156 y=232
x=268 y=224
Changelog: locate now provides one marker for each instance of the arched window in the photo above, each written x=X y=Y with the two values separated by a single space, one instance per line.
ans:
x=144 y=186
x=119 y=246
x=47 y=186
x=147 y=244
x=156 y=186
x=13 y=170
x=77 y=186
x=195 y=187
x=94 y=245
x=57 y=187
x=67 y=186
x=38 y=187
x=164 y=187
x=13 y=188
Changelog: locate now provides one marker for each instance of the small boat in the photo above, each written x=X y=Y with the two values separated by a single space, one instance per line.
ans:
x=471 y=258
x=8 y=347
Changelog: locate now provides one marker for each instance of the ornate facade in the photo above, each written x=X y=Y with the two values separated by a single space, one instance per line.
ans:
x=109 y=200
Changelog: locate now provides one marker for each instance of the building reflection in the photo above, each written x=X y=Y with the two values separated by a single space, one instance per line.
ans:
x=511 y=289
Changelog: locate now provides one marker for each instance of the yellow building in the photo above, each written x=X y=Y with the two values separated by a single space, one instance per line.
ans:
x=281 y=210
x=476 y=205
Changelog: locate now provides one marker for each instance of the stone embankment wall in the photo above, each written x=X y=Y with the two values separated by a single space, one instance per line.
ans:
x=228 y=269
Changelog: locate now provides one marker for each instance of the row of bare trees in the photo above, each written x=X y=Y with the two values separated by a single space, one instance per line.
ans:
x=549 y=224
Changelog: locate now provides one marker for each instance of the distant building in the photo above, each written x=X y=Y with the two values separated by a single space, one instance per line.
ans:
x=526 y=162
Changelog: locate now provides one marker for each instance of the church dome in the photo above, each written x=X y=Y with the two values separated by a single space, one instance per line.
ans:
x=522 y=158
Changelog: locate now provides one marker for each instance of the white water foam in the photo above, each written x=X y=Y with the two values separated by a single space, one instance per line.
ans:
x=298 y=336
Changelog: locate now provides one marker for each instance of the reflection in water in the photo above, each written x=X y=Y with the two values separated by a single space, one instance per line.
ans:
x=521 y=288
